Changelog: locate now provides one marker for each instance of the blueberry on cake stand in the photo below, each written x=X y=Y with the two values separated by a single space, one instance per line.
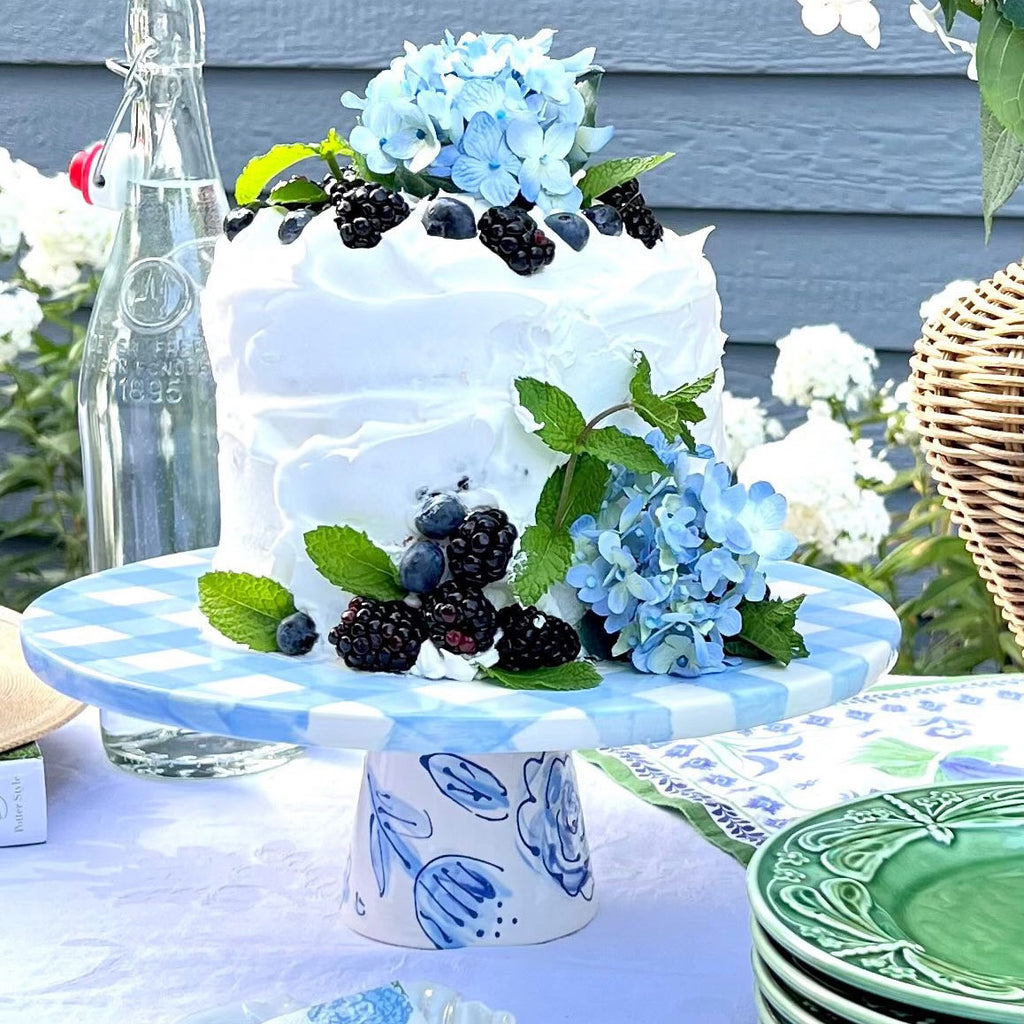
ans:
x=469 y=829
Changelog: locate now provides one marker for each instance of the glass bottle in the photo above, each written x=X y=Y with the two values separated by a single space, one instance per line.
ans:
x=146 y=394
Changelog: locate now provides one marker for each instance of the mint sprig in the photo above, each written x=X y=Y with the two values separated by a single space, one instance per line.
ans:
x=298 y=193
x=259 y=172
x=576 y=675
x=245 y=608
x=769 y=631
x=604 y=176
x=578 y=487
x=348 y=558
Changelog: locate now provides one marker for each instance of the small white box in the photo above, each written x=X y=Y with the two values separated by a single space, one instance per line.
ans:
x=22 y=797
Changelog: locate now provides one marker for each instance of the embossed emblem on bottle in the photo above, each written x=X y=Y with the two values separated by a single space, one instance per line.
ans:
x=156 y=295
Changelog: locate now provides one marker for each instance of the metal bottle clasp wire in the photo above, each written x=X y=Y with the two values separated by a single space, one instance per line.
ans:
x=132 y=91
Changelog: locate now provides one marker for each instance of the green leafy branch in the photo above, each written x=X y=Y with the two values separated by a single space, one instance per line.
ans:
x=578 y=486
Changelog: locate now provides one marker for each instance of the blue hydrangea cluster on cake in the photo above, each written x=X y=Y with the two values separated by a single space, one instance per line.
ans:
x=413 y=436
x=495 y=114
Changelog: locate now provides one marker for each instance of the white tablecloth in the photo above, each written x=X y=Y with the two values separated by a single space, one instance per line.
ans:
x=154 y=899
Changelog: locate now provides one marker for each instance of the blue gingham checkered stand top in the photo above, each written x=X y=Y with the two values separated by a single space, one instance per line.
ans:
x=133 y=640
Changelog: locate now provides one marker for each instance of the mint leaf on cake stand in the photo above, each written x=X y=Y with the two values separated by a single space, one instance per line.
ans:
x=245 y=608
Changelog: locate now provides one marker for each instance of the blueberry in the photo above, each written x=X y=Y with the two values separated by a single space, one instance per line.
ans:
x=606 y=219
x=440 y=516
x=296 y=634
x=422 y=567
x=570 y=228
x=238 y=220
x=294 y=224
x=449 y=218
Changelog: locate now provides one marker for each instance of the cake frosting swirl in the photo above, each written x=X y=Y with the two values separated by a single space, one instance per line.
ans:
x=351 y=382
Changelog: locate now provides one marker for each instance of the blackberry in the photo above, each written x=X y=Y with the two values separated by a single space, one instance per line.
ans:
x=460 y=618
x=530 y=639
x=337 y=187
x=481 y=548
x=365 y=212
x=513 y=234
x=379 y=636
x=637 y=217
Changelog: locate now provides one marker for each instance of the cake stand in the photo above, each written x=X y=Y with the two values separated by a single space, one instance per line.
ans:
x=468 y=829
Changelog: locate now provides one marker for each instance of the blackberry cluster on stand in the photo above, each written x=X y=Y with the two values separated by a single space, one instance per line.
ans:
x=513 y=235
x=481 y=548
x=637 y=217
x=460 y=619
x=531 y=640
x=379 y=636
x=366 y=212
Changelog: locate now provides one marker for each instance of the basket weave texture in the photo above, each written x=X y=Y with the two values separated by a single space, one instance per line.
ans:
x=967 y=377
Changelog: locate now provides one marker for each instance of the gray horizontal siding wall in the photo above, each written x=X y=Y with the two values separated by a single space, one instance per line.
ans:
x=843 y=181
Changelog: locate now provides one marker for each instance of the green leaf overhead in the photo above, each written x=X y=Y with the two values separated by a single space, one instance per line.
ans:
x=1013 y=12
x=577 y=675
x=1001 y=69
x=350 y=560
x=548 y=557
x=600 y=178
x=613 y=446
x=1002 y=165
x=561 y=421
x=245 y=608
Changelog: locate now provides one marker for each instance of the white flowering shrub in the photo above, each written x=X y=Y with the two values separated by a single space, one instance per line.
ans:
x=837 y=469
x=52 y=248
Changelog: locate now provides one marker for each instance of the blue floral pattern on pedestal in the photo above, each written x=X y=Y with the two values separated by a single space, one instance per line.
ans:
x=459 y=900
x=387 y=1005
x=550 y=823
x=392 y=821
x=470 y=785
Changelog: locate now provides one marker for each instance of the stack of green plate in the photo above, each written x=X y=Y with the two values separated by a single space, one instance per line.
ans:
x=901 y=908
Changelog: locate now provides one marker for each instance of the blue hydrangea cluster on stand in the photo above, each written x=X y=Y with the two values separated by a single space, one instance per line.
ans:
x=494 y=113
x=669 y=559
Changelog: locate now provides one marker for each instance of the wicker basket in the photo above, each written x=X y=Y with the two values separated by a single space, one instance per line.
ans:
x=967 y=376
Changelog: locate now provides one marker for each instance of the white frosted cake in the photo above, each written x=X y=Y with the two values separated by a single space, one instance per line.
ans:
x=469 y=391
x=350 y=382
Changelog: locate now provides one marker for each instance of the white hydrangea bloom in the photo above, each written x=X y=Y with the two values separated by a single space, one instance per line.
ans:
x=20 y=315
x=823 y=363
x=858 y=17
x=17 y=178
x=63 y=233
x=747 y=425
x=942 y=300
x=933 y=21
x=817 y=467
x=903 y=425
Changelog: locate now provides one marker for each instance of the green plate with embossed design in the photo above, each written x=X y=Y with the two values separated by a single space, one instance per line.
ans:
x=917 y=896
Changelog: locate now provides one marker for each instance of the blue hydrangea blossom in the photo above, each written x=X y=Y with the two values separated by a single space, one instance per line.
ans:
x=420 y=112
x=670 y=558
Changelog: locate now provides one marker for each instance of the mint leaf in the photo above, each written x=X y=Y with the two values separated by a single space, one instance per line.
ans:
x=298 y=193
x=1013 y=11
x=614 y=446
x=561 y=420
x=655 y=410
x=350 y=560
x=546 y=558
x=1001 y=69
x=577 y=675
x=245 y=608
x=261 y=170
x=586 y=491
x=685 y=398
x=769 y=631
x=1002 y=165
x=334 y=145
x=601 y=178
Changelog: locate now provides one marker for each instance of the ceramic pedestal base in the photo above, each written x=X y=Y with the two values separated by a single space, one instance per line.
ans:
x=450 y=851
